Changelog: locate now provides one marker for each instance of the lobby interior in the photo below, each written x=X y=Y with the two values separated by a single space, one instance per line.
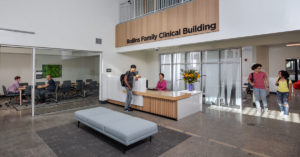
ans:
x=224 y=122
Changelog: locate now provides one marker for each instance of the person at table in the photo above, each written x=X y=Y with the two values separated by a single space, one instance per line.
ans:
x=14 y=87
x=49 y=87
x=128 y=79
x=161 y=84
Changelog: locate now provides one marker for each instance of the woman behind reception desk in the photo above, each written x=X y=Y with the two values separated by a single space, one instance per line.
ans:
x=161 y=84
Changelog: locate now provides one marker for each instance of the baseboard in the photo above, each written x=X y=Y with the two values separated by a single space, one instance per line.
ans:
x=103 y=102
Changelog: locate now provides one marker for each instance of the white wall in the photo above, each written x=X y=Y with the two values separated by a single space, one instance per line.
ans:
x=68 y=24
x=277 y=56
x=73 y=69
x=12 y=65
x=241 y=18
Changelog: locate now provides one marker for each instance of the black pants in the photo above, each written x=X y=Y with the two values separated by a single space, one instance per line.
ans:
x=43 y=95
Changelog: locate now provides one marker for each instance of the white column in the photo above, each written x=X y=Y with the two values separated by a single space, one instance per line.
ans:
x=100 y=76
x=33 y=82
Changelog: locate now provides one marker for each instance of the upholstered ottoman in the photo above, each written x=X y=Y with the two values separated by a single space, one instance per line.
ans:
x=121 y=127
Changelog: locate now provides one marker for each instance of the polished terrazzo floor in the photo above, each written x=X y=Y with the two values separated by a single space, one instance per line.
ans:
x=213 y=133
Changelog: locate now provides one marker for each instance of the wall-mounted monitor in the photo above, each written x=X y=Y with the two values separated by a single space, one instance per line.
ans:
x=54 y=70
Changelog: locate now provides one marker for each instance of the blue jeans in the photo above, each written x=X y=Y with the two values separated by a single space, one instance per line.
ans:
x=128 y=98
x=260 y=94
x=283 y=103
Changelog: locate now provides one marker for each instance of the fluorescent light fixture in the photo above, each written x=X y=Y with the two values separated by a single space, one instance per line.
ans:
x=294 y=44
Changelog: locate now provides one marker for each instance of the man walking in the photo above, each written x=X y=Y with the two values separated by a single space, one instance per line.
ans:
x=260 y=83
x=128 y=79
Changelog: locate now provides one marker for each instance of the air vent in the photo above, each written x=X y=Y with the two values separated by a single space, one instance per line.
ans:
x=98 y=41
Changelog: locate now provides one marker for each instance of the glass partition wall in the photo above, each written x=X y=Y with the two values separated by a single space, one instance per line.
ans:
x=75 y=76
x=220 y=74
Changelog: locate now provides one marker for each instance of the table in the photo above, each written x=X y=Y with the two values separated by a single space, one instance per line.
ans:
x=20 y=95
x=171 y=104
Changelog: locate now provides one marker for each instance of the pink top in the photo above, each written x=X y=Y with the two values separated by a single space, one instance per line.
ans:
x=161 y=85
x=14 y=88
x=259 y=80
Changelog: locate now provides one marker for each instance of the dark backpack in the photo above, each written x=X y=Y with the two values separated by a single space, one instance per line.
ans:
x=252 y=80
x=287 y=81
x=122 y=80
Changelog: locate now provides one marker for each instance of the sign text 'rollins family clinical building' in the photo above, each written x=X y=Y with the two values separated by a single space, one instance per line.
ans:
x=172 y=33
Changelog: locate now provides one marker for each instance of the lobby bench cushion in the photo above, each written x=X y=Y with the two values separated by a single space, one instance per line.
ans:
x=131 y=129
x=85 y=115
x=103 y=119
x=121 y=127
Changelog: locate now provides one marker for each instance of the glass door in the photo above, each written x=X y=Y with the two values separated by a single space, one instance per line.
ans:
x=210 y=77
x=221 y=78
x=230 y=78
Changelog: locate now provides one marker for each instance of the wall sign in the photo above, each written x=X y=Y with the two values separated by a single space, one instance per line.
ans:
x=108 y=70
x=195 y=17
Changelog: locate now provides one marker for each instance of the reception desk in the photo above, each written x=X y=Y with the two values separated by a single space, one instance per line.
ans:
x=171 y=104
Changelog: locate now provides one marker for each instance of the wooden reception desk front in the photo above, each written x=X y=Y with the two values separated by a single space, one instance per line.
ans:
x=171 y=104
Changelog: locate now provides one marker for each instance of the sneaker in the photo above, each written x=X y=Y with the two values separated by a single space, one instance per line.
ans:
x=281 y=113
x=130 y=109
x=286 y=117
x=266 y=110
x=259 y=111
x=125 y=110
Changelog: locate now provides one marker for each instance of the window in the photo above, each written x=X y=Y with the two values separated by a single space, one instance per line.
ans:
x=173 y=64
x=220 y=72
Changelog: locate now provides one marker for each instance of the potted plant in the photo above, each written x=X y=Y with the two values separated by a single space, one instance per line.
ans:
x=190 y=77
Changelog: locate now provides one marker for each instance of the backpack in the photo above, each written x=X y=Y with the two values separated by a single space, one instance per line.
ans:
x=287 y=81
x=122 y=80
x=252 y=80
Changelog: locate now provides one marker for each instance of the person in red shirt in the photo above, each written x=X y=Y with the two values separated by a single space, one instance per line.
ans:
x=161 y=84
x=260 y=83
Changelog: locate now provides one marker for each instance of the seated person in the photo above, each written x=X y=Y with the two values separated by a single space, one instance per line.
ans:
x=50 y=87
x=161 y=84
x=14 y=88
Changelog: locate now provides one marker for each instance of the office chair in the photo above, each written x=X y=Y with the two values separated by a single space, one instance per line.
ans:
x=40 y=83
x=89 y=80
x=10 y=95
x=53 y=96
x=23 y=83
x=79 y=89
x=66 y=88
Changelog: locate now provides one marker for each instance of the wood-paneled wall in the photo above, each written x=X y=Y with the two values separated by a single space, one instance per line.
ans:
x=163 y=107
x=186 y=15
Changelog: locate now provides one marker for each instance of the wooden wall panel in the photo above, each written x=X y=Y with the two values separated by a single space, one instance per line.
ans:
x=163 y=107
x=186 y=15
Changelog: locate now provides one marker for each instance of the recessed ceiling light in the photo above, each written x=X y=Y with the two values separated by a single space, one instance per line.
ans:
x=294 y=44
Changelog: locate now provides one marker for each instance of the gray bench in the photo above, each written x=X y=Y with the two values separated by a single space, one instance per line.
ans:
x=121 y=127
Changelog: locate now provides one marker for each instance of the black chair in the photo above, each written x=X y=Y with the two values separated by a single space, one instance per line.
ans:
x=53 y=96
x=57 y=83
x=40 y=83
x=27 y=91
x=89 y=80
x=66 y=88
x=79 y=89
x=23 y=84
x=91 y=88
x=10 y=95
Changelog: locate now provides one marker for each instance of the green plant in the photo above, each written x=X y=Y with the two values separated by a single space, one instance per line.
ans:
x=54 y=70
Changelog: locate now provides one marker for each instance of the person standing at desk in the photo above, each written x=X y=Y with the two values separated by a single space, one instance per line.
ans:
x=50 y=88
x=161 y=84
x=128 y=79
